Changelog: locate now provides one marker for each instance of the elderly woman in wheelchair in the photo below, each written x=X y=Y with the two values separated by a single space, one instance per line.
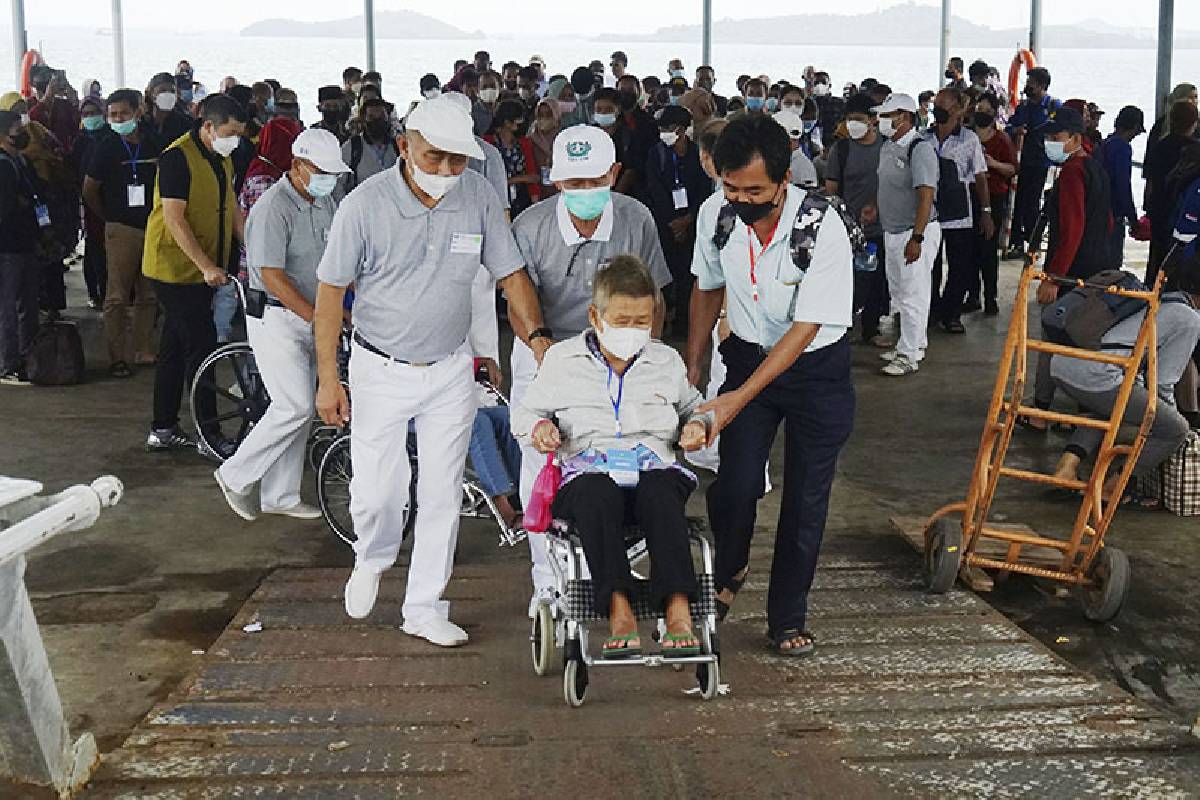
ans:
x=614 y=405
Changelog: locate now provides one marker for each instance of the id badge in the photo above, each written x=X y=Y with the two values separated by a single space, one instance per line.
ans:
x=622 y=467
x=136 y=194
x=43 y=215
x=679 y=195
x=466 y=244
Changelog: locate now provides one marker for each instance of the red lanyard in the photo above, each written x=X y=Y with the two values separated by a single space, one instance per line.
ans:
x=750 y=236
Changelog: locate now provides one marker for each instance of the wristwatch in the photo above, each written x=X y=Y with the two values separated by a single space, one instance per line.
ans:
x=919 y=238
x=987 y=209
x=541 y=333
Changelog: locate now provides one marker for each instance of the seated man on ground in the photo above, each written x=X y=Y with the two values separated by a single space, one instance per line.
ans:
x=614 y=404
x=1095 y=386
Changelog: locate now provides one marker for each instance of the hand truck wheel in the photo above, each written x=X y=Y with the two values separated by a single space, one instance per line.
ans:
x=541 y=639
x=1110 y=584
x=575 y=682
x=943 y=553
x=709 y=678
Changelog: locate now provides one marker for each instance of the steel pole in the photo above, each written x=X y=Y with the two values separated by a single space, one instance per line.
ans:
x=706 y=45
x=118 y=27
x=945 y=42
x=1166 y=46
x=1035 y=28
x=20 y=39
x=369 y=31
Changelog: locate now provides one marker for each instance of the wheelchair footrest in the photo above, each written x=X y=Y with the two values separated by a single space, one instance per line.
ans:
x=581 y=605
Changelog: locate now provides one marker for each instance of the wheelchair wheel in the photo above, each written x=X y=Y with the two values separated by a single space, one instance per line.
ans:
x=333 y=489
x=575 y=682
x=230 y=374
x=319 y=440
x=541 y=639
x=709 y=678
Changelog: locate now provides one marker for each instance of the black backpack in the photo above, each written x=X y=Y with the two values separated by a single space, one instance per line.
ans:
x=56 y=357
x=356 y=154
x=951 y=201
x=1083 y=315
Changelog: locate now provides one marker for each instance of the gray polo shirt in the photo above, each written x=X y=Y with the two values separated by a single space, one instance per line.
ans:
x=492 y=168
x=860 y=185
x=898 y=182
x=562 y=264
x=287 y=232
x=412 y=266
x=375 y=158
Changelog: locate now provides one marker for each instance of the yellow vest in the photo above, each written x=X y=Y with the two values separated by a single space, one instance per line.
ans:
x=209 y=213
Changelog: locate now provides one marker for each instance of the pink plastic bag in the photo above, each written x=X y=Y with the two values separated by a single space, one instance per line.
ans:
x=538 y=516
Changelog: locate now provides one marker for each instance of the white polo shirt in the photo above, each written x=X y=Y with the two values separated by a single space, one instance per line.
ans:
x=823 y=295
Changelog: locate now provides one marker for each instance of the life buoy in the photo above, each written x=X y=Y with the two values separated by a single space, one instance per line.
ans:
x=1023 y=58
x=30 y=60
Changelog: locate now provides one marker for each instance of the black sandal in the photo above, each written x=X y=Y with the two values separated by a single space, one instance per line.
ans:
x=735 y=586
x=1027 y=424
x=791 y=634
x=119 y=369
x=1142 y=502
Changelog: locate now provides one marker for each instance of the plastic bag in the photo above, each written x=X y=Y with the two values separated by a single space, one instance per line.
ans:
x=538 y=516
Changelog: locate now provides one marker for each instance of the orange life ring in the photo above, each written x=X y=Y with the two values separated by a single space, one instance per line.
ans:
x=1025 y=58
x=30 y=59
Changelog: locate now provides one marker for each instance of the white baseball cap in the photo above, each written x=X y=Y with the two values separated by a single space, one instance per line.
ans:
x=582 y=151
x=791 y=122
x=321 y=148
x=896 y=102
x=445 y=125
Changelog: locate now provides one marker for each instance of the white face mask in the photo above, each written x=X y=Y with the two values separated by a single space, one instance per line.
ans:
x=432 y=93
x=857 y=129
x=489 y=95
x=820 y=89
x=669 y=138
x=436 y=186
x=797 y=108
x=624 y=343
x=887 y=127
x=165 y=101
x=225 y=145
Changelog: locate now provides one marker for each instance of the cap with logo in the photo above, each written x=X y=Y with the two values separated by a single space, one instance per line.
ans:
x=1064 y=119
x=445 y=125
x=896 y=102
x=321 y=148
x=582 y=151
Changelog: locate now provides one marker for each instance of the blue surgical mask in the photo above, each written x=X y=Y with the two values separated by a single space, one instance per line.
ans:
x=604 y=120
x=271 y=105
x=93 y=122
x=186 y=95
x=587 y=203
x=124 y=128
x=675 y=99
x=755 y=103
x=1057 y=151
x=676 y=73
x=772 y=104
x=320 y=185
x=809 y=124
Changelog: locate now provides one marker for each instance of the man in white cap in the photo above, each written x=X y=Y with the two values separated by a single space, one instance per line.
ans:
x=564 y=240
x=411 y=240
x=908 y=179
x=285 y=239
x=803 y=172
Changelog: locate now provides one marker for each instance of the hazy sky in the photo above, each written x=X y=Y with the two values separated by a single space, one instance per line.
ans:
x=555 y=16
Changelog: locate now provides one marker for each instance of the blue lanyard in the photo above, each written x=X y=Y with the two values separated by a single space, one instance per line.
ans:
x=24 y=176
x=675 y=164
x=616 y=403
x=133 y=157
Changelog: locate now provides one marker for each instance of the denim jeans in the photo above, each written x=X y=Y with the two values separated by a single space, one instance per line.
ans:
x=224 y=311
x=495 y=454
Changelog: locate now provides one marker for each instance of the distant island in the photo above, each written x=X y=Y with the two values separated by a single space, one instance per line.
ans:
x=388 y=25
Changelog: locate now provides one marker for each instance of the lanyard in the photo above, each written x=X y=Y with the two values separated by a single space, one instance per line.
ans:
x=24 y=176
x=133 y=157
x=750 y=236
x=379 y=150
x=616 y=402
x=675 y=164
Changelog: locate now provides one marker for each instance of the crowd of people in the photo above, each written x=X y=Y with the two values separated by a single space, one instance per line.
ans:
x=763 y=232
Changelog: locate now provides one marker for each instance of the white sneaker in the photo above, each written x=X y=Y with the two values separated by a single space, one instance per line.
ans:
x=298 y=511
x=437 y=630
x=890 y=356
x=361 y=591
x=242 y=503
x=542 y=594
x=900 y=365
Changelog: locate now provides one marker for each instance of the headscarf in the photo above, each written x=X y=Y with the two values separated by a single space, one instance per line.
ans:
x=1181 y=91
x=274 y=148
x=554 y=90
x=701 y=105
x=9 y=99
x=543 y=143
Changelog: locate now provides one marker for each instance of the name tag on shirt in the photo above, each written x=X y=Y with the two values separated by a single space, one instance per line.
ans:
x=43 y=214
x=622 y=467
x=469 y=244
x=679 y=195
x=136 y=195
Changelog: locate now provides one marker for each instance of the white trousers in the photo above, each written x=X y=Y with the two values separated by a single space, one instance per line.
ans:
x=523 y=367
x=910 y=286
x=273 y=451
x=440 y=400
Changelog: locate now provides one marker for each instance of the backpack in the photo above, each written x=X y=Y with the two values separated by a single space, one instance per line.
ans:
x=951 y=200
x=356 y=154
x=1083 y=315
x=56 y=357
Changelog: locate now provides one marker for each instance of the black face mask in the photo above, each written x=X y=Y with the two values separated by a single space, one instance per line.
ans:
x=940 y=115
x=378 y=129
x=750 y=213
x=510 y=86
x=627 y=99
x=1030 y=93
x=983 y=120
x=19 y=140
x=331 y=116
x=950 y=74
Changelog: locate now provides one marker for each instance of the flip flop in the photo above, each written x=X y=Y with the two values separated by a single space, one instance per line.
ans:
x=793 y=652
x=677 y=651
x=618 y=647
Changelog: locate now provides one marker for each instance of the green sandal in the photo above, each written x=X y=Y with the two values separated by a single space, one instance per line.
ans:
x=617 y=647
x=677 y=651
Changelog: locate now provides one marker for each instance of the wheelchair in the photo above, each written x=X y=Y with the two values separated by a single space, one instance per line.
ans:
x=563 y=622
x=335 y=471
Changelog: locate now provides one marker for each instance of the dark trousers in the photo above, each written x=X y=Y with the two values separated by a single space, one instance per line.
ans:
x=188 y=337
x=814 y=399
x=19 y=279
x=1031 y=185
x=599 y=511
x=989 y=249
x=960 y=248
x=52 y=290
x=873 y=290
x=95 y=266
